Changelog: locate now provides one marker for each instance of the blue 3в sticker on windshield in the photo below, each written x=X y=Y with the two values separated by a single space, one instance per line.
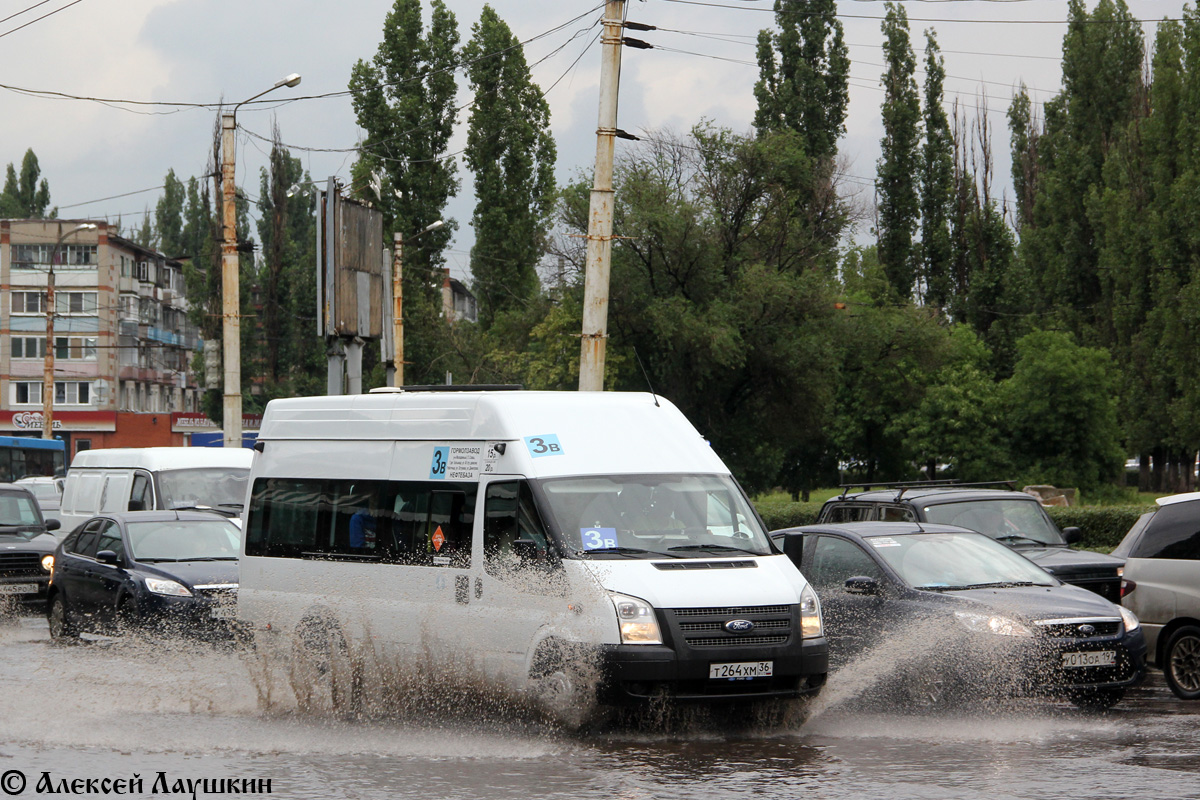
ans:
x=597 y=538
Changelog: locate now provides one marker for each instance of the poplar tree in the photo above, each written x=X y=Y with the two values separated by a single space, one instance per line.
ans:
x=896 y=182
x=511 y=152
x=937 y=181
x=26 y=196
x=404 y=99
x=168 y=216
x=803 y=71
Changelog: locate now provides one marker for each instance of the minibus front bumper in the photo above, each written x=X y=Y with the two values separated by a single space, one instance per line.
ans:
x=635 y=673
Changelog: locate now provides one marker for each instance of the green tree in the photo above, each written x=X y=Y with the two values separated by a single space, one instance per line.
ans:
x=898 y=166
x=1061 y=414
x=1103 y=54
x=404 y=99
x=168 y=216
x=937 y=181
x=723 y=290
x=292 y=351
x=803 y=72
x=511 y=152
x=26 y=196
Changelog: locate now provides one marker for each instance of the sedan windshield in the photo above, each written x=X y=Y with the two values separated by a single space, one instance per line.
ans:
x=204 y=488
x=948 y=561
x=653 y=516
x=17 y=511
x=184 y=540
x=1014 y=522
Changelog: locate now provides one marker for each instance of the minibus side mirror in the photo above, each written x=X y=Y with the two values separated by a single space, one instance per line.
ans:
x=525 y=549
x=53 y=524
x=1072 y=534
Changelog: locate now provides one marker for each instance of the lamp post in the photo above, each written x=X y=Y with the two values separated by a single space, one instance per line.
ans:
x=48 y=361
x=398 y=298
x=231 y=325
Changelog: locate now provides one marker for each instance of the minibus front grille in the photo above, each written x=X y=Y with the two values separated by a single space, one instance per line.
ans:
x=759 y=625
x=729 y=611
x=729 y=641
x=710 y=627
x=20 y=564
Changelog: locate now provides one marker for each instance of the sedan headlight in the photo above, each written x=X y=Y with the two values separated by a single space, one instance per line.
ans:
x=810 y=614
x=636 y=620
x=984 y=623
x=1129 y=618
x=48 y=563
x=170 y=588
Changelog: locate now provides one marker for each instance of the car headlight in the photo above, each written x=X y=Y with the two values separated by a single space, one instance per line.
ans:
x=48 y=563
x=985 y=623
x=810 y=614
x=636 y=620
x=171 y=588
x=1129 y=618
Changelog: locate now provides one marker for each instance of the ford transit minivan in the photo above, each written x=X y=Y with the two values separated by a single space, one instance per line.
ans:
x=529 y=533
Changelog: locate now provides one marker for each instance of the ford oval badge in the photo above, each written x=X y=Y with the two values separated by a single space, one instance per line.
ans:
x=739 y=626
x=1087 y=630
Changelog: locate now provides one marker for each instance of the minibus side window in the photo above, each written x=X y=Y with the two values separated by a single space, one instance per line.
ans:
x=419 y=523
x=511 y=514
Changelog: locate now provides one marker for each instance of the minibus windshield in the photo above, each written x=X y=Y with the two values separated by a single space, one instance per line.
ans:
x=653 y=516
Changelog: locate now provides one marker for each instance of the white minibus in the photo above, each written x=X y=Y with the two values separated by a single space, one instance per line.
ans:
x=154 y=478
x=529 y=532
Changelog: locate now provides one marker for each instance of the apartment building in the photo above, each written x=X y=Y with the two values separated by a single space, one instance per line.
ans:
x=123 y=345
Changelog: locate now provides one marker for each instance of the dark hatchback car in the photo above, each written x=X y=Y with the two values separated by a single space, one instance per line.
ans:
x=163 y=571
x=1010 y=517
x=26 y=549
x=951 y=607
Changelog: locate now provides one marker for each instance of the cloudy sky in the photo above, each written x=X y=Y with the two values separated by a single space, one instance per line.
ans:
x=206 y=51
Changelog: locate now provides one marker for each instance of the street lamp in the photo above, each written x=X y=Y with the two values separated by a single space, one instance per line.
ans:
x=48 y=362
x=398 y=298
x=231 y=325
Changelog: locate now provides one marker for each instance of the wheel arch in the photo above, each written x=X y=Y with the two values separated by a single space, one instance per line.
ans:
x=1168 y=630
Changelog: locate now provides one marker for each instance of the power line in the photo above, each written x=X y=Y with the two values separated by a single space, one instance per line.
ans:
x=22 y=11
x=38 y=19
x=933 y=19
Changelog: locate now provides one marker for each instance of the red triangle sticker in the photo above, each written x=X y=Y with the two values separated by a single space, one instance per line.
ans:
x=439 y=539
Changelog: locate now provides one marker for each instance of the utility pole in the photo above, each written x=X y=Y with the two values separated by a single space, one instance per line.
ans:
x=600 y=211
x=397 y=310
x=231 y=303
x=231 y=320
x=48 y=356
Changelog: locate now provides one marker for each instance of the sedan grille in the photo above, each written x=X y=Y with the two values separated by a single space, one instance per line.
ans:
x=1071 y=629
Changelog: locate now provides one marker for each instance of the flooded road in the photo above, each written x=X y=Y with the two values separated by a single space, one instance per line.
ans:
x=113 y=709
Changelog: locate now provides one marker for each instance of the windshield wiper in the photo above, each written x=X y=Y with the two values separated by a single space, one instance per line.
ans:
x=1003 y=584
x=155 y=560
x=1012 y=537
x=215 y=510
x=724 y=547
x=238 y=506
x=209 y=558
x=621 y=551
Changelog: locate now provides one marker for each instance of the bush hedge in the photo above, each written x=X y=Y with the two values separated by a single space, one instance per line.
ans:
x=1102 y=527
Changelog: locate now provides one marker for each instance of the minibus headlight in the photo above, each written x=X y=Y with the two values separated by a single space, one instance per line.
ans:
x=48 y=563
x=636 y=620
x=810 y=614
x=171 y=588
x=1129 y=618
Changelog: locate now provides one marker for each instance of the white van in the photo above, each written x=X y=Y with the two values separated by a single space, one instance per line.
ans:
x=530 y=532
x=154 y=478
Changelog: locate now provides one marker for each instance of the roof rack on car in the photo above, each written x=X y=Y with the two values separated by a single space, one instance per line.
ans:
x=451 y=387
x=904 y=486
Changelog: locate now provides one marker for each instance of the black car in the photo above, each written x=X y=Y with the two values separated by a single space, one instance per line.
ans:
x=952 y=607
x=1010 y=517
x=165 y=571
x=26 y=549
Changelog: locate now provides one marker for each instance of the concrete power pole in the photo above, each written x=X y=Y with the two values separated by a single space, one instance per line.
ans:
x=600 y=212
x=231 y=325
